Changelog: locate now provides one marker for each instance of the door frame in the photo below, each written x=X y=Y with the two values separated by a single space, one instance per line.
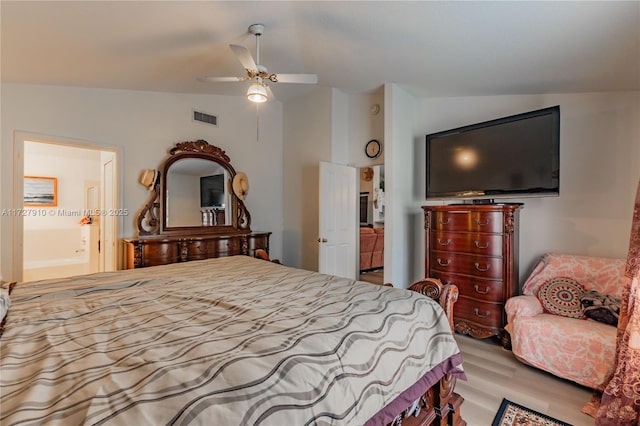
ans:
x=17 y=224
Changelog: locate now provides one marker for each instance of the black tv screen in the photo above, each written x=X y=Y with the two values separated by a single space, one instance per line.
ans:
x=508 y=157
x=212 y=191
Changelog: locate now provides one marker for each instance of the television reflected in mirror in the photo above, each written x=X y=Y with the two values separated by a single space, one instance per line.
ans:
x=212 y=191
x=510 y=157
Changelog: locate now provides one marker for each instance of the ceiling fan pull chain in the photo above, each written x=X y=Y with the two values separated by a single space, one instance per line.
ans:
x=257 y=122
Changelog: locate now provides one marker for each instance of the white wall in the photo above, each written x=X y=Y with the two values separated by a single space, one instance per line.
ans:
x=400 y=169
x=364 y=126
x=184 y=195
x=599 y=170
x=72 y=167
x=307 y=141
x=145 y=125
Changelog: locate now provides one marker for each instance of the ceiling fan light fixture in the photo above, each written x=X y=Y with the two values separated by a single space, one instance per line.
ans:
x=257 y=93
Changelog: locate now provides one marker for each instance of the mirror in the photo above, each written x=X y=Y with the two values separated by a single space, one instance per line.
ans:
x=197 y=194
x=193 y=194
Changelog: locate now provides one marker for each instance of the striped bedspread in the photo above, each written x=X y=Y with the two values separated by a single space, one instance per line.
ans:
x=228 y=341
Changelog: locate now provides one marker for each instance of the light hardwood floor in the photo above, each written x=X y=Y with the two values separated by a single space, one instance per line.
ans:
x=493 y=373
x=373 y=277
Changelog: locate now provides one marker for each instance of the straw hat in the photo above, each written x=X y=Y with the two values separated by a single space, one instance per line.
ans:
x=241 y=185
x=148 y=178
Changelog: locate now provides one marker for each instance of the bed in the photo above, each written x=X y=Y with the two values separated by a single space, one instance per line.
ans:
x=227 y=341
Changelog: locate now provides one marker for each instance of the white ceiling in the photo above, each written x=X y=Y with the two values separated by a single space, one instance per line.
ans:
x=432 y=48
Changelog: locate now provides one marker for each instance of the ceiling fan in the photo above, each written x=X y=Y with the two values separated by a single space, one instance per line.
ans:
x=259 y=90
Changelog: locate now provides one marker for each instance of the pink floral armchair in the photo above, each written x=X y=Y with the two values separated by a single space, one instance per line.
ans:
x=580 y=350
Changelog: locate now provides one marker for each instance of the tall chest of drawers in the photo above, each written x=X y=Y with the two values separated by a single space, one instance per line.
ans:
x=475 y=247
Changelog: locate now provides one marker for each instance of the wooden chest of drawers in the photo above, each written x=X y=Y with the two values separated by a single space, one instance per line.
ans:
x=162 y=251
x=475 y=247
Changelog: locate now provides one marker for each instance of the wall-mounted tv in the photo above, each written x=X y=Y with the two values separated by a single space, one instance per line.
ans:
x=509 y=157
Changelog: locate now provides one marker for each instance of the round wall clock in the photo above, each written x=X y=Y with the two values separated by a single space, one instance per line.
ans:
x=373 y=148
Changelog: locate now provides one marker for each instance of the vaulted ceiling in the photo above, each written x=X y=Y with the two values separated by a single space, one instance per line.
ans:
x=432 y=48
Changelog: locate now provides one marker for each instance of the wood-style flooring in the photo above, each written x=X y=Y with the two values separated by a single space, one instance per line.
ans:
x=494 y=373
x=373 y=277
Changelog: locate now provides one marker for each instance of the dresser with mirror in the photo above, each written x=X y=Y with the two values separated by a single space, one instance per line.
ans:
x=195 y=210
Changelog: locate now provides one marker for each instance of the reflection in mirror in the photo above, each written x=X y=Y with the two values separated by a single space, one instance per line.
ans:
x=197 y=194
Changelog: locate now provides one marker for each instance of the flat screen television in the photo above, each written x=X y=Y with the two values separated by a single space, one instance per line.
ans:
x=212 y=191
x=510 y=157
x=364 y=208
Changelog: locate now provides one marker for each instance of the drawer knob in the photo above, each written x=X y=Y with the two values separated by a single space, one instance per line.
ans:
x=481 y=246
x=444 y=263
x=444 y=243
x=478 y=314
x=485 y=291
x=477 y=221
x=444 y=222
x=482 y=269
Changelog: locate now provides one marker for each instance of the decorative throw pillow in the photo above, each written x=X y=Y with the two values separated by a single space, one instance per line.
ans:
x=561 y=296
x=601 y=307
x=5 y=302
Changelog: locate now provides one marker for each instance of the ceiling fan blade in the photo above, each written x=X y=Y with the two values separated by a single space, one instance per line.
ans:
x=221 y=79
x=243 y=55
x=297 y=78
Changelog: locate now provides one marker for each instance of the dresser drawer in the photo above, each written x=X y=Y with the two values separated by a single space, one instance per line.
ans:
x=475 y=288
x=259 y=241
x=467 y=221
x=224 y=247
x=160 y=253
x=488 y=314
x=468 y=264
x=478 y=243
x=197 y=250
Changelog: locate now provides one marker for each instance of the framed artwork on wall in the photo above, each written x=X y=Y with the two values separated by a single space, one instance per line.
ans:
x=40 y=191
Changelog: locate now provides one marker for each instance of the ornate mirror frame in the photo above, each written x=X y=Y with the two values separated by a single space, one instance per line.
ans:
x=151 y=218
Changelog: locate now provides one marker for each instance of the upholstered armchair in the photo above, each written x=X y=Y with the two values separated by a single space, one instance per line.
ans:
x=367 y=244
x=568 y=342
x=377 y=257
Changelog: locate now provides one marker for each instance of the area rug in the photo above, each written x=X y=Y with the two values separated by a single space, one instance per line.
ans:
x=512 y=414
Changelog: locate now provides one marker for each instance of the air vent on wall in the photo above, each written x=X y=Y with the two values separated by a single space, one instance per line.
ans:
x=205 y=118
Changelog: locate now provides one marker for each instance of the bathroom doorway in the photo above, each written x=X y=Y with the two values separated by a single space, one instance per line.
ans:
x=71 y=235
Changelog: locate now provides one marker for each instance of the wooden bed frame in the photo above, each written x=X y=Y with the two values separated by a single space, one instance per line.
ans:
x=440 y=405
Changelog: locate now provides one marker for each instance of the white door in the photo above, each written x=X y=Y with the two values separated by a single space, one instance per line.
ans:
x=338 y=220
x=108 y=228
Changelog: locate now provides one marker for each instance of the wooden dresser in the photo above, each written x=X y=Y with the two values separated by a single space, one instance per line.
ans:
x=188 y=218
x=475 y=247
x=162 y=251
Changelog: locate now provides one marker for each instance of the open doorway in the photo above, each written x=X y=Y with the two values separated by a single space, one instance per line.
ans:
x=73 y=231
x=371 y=202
